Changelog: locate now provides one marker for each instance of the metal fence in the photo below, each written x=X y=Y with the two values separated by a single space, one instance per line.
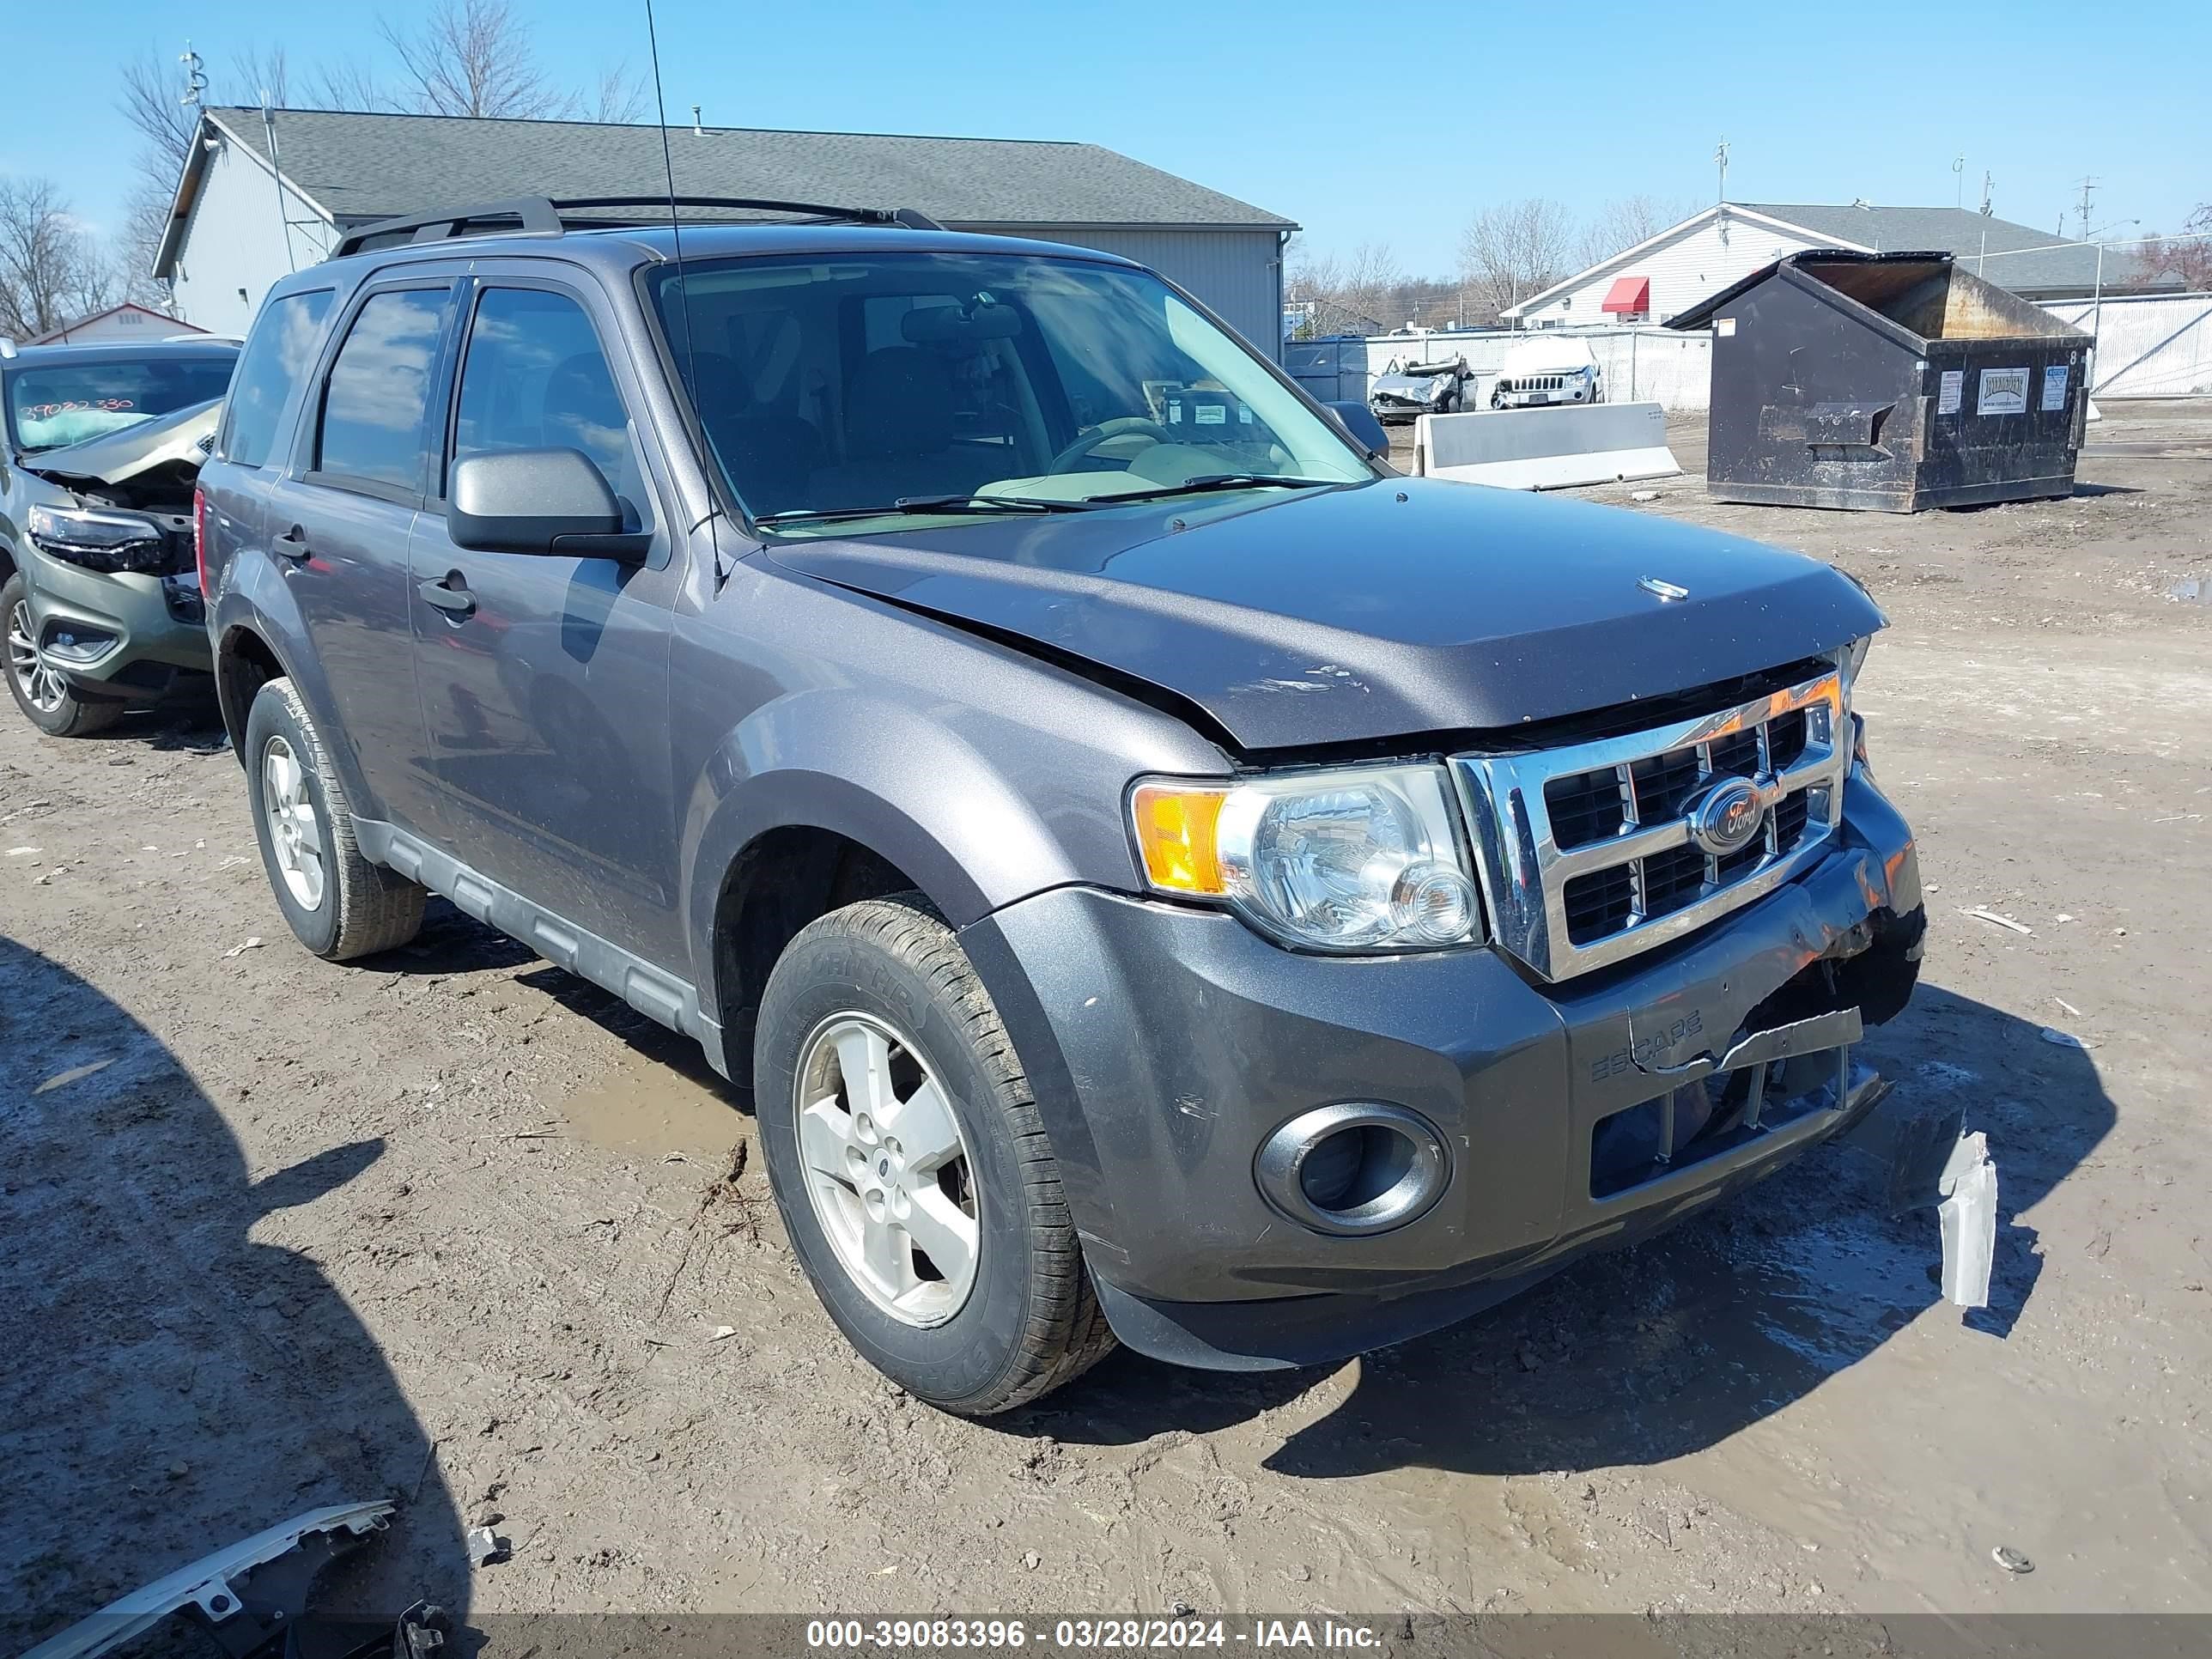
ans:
x=2148 y=346
x=1638 y=365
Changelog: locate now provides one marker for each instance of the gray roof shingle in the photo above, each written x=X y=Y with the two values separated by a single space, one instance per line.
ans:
x=1960 y=233
x=363 y=166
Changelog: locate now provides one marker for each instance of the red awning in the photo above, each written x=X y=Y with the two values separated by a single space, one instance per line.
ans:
x=1630 y=294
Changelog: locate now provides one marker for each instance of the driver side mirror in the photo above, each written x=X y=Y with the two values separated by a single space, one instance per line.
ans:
x=540 y=501
x=1360 y=426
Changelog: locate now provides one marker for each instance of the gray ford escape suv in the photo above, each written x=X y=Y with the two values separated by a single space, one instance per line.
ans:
x=1160 y=874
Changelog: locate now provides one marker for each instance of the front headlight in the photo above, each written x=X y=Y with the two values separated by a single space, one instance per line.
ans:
x=98 y=540
x=1366 y=859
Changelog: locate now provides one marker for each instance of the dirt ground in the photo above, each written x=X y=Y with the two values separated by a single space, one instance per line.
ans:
x=456 y=1227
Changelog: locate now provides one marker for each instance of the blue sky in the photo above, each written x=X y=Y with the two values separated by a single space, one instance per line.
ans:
x=1373 y=122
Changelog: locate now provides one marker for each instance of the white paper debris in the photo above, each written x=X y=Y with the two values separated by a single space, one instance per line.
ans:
x=63 y=1080
x=1992 y=917
x=1968 y=1219
x=240 y=950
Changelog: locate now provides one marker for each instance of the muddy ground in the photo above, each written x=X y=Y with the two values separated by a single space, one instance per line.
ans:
x=456 y=1227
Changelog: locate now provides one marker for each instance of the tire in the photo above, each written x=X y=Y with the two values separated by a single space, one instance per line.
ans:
x=47 y=704
x=1022 y=1318
x=350 y=907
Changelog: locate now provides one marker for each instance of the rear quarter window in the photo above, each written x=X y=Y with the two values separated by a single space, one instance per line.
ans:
x=276 y=358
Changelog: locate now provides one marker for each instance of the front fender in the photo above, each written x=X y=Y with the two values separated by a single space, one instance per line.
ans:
x=901 y=784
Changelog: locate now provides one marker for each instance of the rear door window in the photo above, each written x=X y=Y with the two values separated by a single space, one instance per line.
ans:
x=276 y=359
x=371 y=430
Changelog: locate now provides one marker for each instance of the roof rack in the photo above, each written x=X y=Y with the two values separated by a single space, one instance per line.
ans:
x=540 y=215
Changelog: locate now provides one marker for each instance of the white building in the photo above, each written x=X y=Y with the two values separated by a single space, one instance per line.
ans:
x=123 y=322
x=1689 y=263
x=266 y=193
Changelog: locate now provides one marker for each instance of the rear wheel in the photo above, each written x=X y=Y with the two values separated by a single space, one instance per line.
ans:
x=338 y=903
x=39 y=691
x=911 y=1167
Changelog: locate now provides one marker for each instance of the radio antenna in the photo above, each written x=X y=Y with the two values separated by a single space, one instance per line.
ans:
x=676 y=235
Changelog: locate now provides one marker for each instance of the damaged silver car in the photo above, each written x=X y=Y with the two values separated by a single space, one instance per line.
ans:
x=1405 y=391
x=101 y=447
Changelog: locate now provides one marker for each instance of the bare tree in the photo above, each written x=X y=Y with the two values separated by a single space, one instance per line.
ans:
x=1620 y=225
x=473 y=58
x=1356 y=291
x=1513 y=250
x=348 y=84
x=51 y=270
x=2187 y=257
x=465 y=57
x=152 y=100
x=619 y=96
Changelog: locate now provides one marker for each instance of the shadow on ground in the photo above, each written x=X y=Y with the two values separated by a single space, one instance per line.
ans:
x=173 y=1384
x=1643 y=1356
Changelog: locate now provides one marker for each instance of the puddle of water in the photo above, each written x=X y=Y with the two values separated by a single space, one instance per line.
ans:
x=648 y=1108
x=2195 y=590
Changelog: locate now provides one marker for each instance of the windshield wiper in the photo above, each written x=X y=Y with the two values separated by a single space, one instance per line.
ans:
x=915 y=506
x=1215 y=481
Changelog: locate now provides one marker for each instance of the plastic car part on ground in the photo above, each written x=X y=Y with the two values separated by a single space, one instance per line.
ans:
x=250 y=1595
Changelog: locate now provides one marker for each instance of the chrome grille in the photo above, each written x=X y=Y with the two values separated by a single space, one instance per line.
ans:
x=1587 y=853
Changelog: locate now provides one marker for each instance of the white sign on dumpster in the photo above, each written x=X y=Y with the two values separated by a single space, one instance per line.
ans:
x=1953 y=389
x=2004 y=391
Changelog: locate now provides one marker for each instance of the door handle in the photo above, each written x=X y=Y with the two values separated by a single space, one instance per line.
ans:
x=451 y=595
x=291 y=544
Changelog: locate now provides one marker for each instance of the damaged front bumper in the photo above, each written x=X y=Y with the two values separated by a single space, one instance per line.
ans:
x=1165 y=1045
x=245 y=1595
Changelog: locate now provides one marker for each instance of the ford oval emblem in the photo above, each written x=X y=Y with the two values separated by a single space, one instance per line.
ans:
x=1664 y=590
x=1729 y=817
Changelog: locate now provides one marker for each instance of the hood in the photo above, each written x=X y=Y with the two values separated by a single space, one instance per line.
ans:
x=1420 y=388
x=114 y=458
x=1395 y=609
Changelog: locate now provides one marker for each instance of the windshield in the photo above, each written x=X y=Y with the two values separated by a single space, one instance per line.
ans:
x=68 y=402
x=832 y=384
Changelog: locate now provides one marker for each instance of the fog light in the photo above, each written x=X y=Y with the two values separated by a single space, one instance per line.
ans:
x=1357 y=1167
x=77 y=644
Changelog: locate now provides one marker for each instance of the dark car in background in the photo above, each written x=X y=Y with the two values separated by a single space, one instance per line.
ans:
x=1157 y=873
x=99 y=446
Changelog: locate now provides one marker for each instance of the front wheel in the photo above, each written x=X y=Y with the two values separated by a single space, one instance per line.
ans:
x=912 y=1168
x=41 y=691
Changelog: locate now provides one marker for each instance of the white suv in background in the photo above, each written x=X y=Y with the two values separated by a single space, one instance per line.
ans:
x=1553 y=370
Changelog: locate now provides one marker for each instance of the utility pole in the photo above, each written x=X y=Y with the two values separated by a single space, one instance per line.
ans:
x=1988 y=184
x=2088 y=187
x=1959 y=180
x=1720 y=160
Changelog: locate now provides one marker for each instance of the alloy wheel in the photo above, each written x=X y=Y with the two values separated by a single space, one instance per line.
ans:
x=42 y=684
x=294 y=837
x=887 y=1169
